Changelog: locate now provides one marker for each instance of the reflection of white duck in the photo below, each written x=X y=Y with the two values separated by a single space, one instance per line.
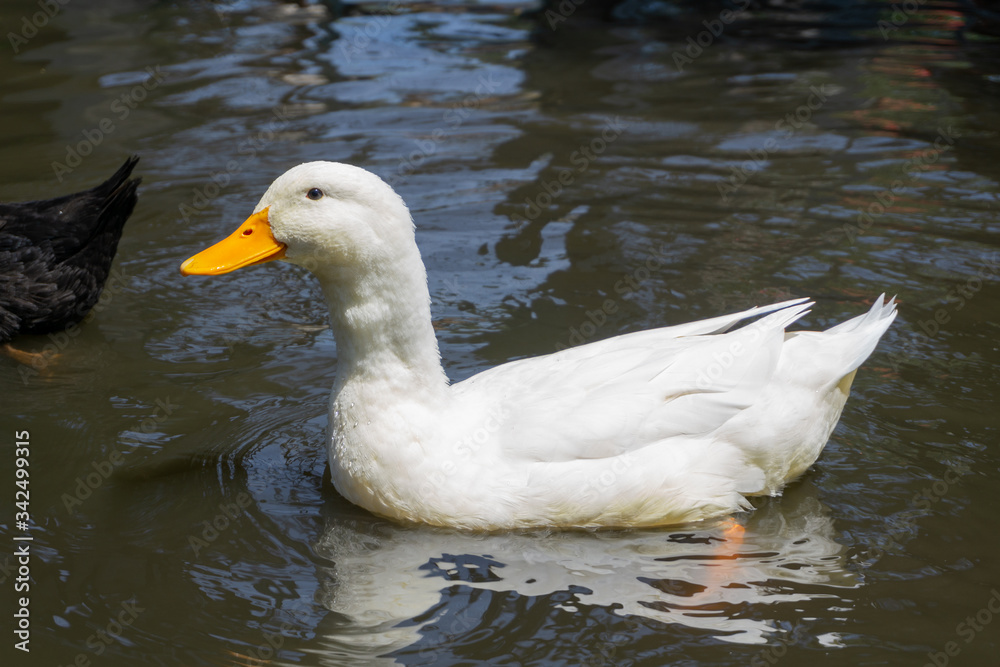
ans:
x=388 y=581
x=656 y=427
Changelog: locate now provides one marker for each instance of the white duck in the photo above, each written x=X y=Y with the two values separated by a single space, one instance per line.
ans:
x=651 y=428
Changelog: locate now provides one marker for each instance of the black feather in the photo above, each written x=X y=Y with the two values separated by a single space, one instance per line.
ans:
x=55 y=254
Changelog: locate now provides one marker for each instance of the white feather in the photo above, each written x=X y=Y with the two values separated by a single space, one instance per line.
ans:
x=650 y=428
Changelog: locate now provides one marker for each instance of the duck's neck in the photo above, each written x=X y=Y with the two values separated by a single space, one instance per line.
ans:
x=382 y=324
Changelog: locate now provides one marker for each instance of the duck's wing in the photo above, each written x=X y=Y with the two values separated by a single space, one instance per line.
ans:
x=618 y=395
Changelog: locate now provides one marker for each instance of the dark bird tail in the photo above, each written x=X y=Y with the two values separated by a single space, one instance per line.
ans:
x=116 y=198
x=56 y=254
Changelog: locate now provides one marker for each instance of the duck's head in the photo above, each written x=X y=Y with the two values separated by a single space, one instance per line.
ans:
x=316 y=215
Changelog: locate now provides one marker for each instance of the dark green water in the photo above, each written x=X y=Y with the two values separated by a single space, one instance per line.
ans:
x=182 y=510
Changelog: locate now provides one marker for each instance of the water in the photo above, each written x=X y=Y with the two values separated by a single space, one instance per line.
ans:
x=182 y=509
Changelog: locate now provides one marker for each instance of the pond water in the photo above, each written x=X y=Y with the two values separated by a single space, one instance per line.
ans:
x=709 y=161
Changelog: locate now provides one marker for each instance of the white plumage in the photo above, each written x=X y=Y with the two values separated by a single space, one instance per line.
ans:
x=657 y=427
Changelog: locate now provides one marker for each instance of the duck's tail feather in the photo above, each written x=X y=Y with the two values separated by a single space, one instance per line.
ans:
x=118 y=195
x=866 y=330
x=724 y=323
x=115 y=199
x=118 y=179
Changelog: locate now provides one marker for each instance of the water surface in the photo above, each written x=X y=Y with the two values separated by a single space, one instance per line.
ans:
x=798 y=153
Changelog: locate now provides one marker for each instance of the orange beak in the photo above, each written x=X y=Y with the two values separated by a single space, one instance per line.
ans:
x=252 y=243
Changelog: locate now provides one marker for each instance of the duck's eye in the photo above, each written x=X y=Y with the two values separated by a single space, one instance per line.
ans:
x=315 y=194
